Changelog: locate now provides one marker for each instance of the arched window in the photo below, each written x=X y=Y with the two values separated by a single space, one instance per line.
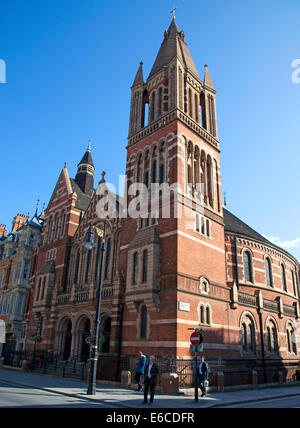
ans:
x=77 y=267
x=248 y=267
x=144 y=322
x=162 y=174
x=145 y=265
x=88 y=264
x=160 y=93
x=153 y=107
x=208 y=317
x=291 y=340
x=202 y=315
x=107 y=260
x=244 y=337
x=135 y=269
x=269 y=273
x=248 y=335
x=272 y=338
x=154 y=171
x=294 y=283
x=283 y=278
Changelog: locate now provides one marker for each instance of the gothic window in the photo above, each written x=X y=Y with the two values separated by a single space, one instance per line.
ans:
x=291 y=340
x=248 y=335
x=248 y=267
x=283 y=278
x=202 y=110
x=205 y=314
x=88 y=264
x=209 y=181
x=180 y=89
x=294 y=283
x=152 y=117
x=269 y=273
x=145 y=110
x=99 y=245
x=272 y=338
x=38 y=290
x=154 y=171
x=218 y=186
x=147 y=179
x=77 y=267
x=107 y=262
x=144 y=322
x=160 y=92
x=190 y=103
x=145 y=266
x=43 y=289
x=135 y=269
x=162 y=174
x=63 y=222
x=196 y=106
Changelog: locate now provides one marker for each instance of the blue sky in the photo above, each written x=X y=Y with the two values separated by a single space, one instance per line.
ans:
x=70 y=65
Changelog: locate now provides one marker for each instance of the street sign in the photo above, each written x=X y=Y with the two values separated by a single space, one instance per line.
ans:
x=195 y=339
x=198 y=348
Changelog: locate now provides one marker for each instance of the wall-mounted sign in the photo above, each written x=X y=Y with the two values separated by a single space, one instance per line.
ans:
x=185 y=307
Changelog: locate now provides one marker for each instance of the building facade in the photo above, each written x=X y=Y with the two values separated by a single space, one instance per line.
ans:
x=175 y=258
x=17 y=259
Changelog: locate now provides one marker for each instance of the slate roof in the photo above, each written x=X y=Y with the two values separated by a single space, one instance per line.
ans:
x=236 y=226
x=173 y=46
x=83 y=200
x=87 y=158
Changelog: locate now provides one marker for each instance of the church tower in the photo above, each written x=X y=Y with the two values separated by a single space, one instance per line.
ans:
x=85 y=173
x=172 y=262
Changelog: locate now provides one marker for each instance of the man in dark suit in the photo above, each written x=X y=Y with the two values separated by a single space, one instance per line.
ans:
x=150 y=380
x=202 y=376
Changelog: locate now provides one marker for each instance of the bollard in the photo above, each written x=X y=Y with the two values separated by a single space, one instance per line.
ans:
x=220 y=381
x=125 y=378
x=170 y=383
x=254 y=379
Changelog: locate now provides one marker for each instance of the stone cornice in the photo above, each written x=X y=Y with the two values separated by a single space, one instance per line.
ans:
x=166 y=120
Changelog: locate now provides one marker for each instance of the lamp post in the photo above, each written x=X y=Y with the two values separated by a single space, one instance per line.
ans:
x=89 y=244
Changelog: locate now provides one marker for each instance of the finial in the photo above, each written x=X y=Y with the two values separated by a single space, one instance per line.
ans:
x=37 y=207
x=173 y=12
x=65 y=165
x=225 y=199
x=141 y=63
x=89 y=147
x=103 y=177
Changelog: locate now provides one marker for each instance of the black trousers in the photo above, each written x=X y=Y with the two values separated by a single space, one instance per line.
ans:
x=201 y=385
x=138 y=379
x=149 y=385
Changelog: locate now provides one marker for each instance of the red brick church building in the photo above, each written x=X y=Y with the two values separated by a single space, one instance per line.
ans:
x=196 y=266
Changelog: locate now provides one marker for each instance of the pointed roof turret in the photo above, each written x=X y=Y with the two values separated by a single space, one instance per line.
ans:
x=87 y=158
x=207 y=79
x=85 y=173
x=174 y=46
x=139 y=78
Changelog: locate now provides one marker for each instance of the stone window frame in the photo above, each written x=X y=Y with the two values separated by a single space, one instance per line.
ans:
x=248 y=320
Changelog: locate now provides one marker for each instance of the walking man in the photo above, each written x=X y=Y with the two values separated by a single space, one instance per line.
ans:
x=151 y=374
x=140 y=370
x=203 y=376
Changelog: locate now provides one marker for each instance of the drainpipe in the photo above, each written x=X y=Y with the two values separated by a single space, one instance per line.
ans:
x=263 y=353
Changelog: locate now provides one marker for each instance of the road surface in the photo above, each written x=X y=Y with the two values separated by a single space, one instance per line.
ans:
x=14 y=396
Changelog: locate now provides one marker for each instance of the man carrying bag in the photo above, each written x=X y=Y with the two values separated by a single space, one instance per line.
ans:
x=203 y=376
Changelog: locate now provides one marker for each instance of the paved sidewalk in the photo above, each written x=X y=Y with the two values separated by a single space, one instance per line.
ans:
x=124 y=398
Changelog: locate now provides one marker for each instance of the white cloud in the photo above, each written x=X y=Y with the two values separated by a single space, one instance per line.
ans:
x=284 y=244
